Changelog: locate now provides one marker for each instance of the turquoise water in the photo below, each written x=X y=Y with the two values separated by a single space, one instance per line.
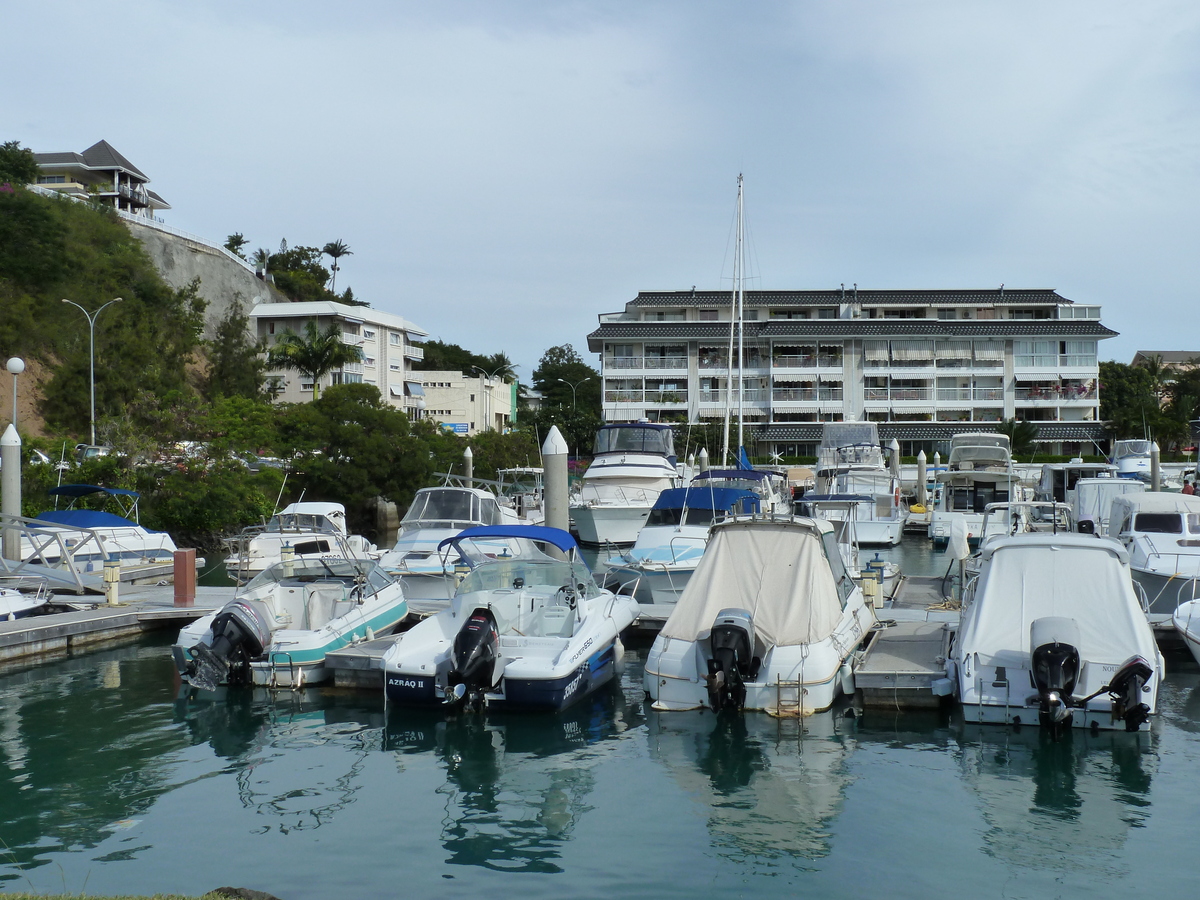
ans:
x=112 y=780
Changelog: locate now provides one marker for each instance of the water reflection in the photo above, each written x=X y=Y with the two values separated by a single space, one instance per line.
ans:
x=516 y=786
x=1059 y=805
x=770 y=787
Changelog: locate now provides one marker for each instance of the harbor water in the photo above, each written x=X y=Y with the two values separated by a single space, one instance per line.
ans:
x=114 y=780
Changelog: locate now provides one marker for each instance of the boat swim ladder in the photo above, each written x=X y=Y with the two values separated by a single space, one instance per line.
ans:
x=295 y=675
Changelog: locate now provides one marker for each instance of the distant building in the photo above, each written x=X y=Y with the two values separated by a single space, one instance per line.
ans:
x=387 y=342
x=924 y=364
x=1184 y=360
x=100 y=172
x=468 y=404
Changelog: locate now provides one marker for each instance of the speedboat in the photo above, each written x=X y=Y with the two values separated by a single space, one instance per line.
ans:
x=278 y=628
x=435 y=514
x=91 y=536
x=1132 y=458
x=978 y=472
x=303 y=529
x=1186 y=620
x=670 y=544
x=633 y=464
x=850 y=461
x=527 y=630
x=769 y=621
x=1162 y=533
x=1052 y=633
x=15 y=604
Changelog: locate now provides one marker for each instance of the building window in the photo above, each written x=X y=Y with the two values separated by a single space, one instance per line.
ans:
x=827 y=313
x=270 y=328
x=472 y=400
x=396 y=339
x=395 y=367
x=947 y=313
x=368 y=334
x=52 y=179
x=708 y=315
x=369 y=360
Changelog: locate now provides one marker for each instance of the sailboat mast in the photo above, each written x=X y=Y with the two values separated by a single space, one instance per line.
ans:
x=739 y=283
x=733 y=319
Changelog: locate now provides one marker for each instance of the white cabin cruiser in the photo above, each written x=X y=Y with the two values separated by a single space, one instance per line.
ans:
x=1132 y=458
x=850 y=461
x=978 y=472
x=525 y=631
x=314 y=528
x=768 y=622
x=278 y=628
x=1052 y=632
x=1059 y=481
x=1091 y=508
x=435 y=514
x=1162 y=533
x=669 y=547
x=633 y=464
x=774 y=495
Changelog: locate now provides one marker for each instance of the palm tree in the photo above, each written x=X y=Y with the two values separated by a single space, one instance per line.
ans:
x=260 y=258
x=316 y=354
x=500 y=366
x=1021 y=435
x=336 y=250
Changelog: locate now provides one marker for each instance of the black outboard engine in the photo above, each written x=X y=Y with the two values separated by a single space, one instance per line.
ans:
x=732 y=662
x=1125 y=688
x=476 y=649
x=240 y=633
x=1054 y=653
x=1087 y=526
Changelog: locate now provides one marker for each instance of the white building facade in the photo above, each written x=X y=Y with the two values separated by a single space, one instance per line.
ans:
x=924 y=365
x=387 y=342
x=467 y=404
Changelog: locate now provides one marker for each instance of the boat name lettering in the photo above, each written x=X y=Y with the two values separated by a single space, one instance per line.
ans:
x=571 y=688
x=406 y=682
x=583 y=649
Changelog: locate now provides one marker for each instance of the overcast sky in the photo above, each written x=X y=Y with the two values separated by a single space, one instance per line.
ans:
x=505 y=171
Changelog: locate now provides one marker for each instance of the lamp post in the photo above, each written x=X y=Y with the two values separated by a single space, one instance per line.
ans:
x=488 y=403
x=573 y=387
x=15 y=366
x=91 y=317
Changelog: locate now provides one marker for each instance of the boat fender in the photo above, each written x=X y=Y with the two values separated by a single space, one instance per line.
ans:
x=847 y=676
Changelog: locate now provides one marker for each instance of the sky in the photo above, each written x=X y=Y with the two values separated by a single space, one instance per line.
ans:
x=504 y=172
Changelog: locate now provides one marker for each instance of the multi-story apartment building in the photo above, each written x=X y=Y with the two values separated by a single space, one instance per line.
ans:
x=468 y=404
x=924 y=364
x=386 y=341
x=100 y=172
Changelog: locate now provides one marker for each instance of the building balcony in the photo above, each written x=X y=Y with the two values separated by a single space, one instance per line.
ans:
x=661 y=398
x=794 y=395
x=908 y=395
x=413 y=352
x=1063 y=393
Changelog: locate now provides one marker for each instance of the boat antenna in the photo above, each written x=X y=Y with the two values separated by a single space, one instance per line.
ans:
x=280 y=497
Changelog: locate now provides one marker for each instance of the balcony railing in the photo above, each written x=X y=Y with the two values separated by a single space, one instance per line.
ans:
x=666 y=396
x=911 y=393
x=794 y=395
x=411 y=351
x=665 y=362
x=1068 y=392
x=805 y=361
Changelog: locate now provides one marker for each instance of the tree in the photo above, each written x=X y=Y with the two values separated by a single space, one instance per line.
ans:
x=234 y=244
x=18 y=165
x=237 y=363
x=261 y=258
x=299 y=274
x=335 y=250
x=443 y=357
x=565 y=380
x=1021 y=435
x=316 y=354
x=498 y=365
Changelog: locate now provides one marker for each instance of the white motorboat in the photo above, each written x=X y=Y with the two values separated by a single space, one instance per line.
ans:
x=92 y=536
x=842 y=511
x=771 y=487
x=17 y=604
x=1059 y=480
x=1053 y=633
x=978 y=472
x=1092 y=503
x=769 y=621
x=633 y=464
x=1162 y=533
x=850 y=462
x=661 y=562
x=1131 y=458
x=1186 y=620
x=278 y=628
x=435 y=514
x=304 y=529
x=524 y=631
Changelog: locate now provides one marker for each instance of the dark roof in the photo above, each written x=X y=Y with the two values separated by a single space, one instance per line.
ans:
x=1019 y=296
x=850 y=328
x=1170 y=357
x=59 y=159
x=101 y=155
x=936 y=431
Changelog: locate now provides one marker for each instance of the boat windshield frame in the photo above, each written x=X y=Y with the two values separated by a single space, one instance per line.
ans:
x=315 y=568
x=521 y=572
x=657 y=440
x=301 y=523
x=423 y=514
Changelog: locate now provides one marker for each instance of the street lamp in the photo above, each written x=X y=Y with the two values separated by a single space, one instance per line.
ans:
x=573 y=387
x=91 y=317
x=488 y=405
x=16 y=366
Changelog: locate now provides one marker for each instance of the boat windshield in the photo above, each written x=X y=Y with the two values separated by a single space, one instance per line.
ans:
x=450 y=508
x=1133 y=448
x=979 y=456
x=521 y=572
x=1158 y=523
x=301 y=522
x=303 y=571
x=635 y=439
x=694 y=516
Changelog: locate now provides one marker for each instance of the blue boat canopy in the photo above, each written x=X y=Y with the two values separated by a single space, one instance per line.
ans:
x=704 y=497
x=541 y=533
x=84 y=518
x=733 y=474
x=83 y=490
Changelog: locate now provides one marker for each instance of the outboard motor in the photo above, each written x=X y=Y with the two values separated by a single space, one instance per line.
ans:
x=1054 y=653
x=476 y=649
x=240 y=633
x=1087 y=526
x=732 y=662
x=1125 y=688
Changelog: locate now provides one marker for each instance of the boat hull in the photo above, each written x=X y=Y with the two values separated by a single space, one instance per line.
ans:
x=1165 y=592
x=1186 y=620
x=599 y=525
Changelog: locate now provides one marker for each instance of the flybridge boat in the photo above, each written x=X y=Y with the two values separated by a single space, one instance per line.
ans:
x=302 y=530
x=978 y=472
x=1132 y=458
x=1059 y=481
x=1162 y=533
x=278 y=628
x=658 y=567
x=1053 y=633
x=770 y=487
x=850 y=461
x=435 y=514
x=769 y=621
x=633 y=464
x=524 y=631
x=93 y=536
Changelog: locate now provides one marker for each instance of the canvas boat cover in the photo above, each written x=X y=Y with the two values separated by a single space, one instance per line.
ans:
x=1077 y=576
x=777 y=570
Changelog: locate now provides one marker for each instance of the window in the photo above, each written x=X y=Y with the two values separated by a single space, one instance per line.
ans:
x=395 y=339
x=472 y=400
x=52 y=179
x=827 y=313
x=708 y=315
x=369 y=334
x=788 y=314
x=750 y=315
x=947 y=313
x=395 y=367
x=270 y=328
x=369 y=360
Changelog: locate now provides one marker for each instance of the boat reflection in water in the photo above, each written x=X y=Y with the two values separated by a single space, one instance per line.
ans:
x=771 y=786
x=516 y=784
x=1065 y=804
x=259 y=730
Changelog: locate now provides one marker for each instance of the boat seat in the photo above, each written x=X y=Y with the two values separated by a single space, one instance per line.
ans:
x=322 y=602
x=553 y=621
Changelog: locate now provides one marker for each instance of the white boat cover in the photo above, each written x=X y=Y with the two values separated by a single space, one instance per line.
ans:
x=1030 y=576
x=777 y=570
